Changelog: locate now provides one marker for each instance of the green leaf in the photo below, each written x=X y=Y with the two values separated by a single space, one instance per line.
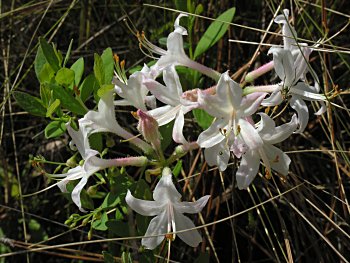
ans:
x=89 y=85
x=45 y=94
x=108 y=65
x=118 y=228
x=67 y=100
x=104 y=89
x=65 y=77
x=177 y=168
x=86 y=200
x=203 y=118
x=55 y=129
x=29 y=103
x=49 y=54
x=181 y=5
x=53 y=107
x=39 y=61
x=111 y=200
x=99 y=69
x=214 y=32
x=68 y=53
x=46 y=73
x=78 y=68
x=96 y=142
x=100 y=224
x=166 y=132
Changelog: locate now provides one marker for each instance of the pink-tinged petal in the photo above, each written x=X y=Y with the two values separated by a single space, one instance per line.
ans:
x=214 y=105
x=279 y=161
x=248 y=169
x=271 y=134
x=212 y=135
x=274 y=99
x=238 y=148
x=143 y=207
x=77 y=190
x=191 y=237
x=178 y=128
x=303 y=113
x=251 y=103
x=157 y=226
x=249 y=135
x=284 y=66
x=191 y=207
x=165 y=190
x=218 y=155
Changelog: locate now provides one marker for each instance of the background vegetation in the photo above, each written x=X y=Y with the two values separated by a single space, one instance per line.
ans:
x=303 y=217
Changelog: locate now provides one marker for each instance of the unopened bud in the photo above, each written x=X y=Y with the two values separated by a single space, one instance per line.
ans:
x=148 y=127
x=71 y=162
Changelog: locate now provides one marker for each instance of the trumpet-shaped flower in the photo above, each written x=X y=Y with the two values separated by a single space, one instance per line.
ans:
x=91 y=165
x=232 y=112
x=172 y=95
x=134 y=92
x=104 y=120
x=169 y=213
x=272 y=157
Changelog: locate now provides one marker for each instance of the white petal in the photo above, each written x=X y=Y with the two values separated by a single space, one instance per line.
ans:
x=212 y=135
x=284 y=66
x=274 y=99
x=303 y=113
x=303 y=90
x=191 y=207
x=218 y=155
x=251 y=103
x=247 y=169
x=322 y=109
x=179 y=29
x=77 y=190
x=172 y=82
x=249 y=135
x=214 y=105
x=227 y=89
x=81 y=141
x=165 y=189
x=143 y=207
x=178 y=127
x=271 y=134
x=279 y=161
x=162 y=93
x=192 y=237
x=158 y=225
x=72 y=174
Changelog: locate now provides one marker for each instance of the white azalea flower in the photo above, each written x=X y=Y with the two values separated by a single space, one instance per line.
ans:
x=134 y=92
x=176 y=106
x=91 y=165
x=169 y=213
x=104 y=120
x=272 y=157
x=231 y=110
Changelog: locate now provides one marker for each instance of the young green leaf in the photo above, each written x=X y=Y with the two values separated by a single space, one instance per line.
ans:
x=203 y=118
x=78 y=68
x=53 y=107
x=89 y=85
x=68 y=53
x=49 y=54
x=214 y=32
x=104 y=89
x=108 y=65
x=39 y=61
x=100 y=224
x=65 y=77
x=99 y=69
x=46 y=73
x=67 y=100
x=55 y=129
x=29 y=103
x=45 y=94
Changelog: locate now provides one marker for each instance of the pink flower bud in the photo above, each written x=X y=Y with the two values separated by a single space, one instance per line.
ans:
x=148 y=127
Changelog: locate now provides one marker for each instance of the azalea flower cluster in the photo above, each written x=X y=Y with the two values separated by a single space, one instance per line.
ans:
x=233 y=133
